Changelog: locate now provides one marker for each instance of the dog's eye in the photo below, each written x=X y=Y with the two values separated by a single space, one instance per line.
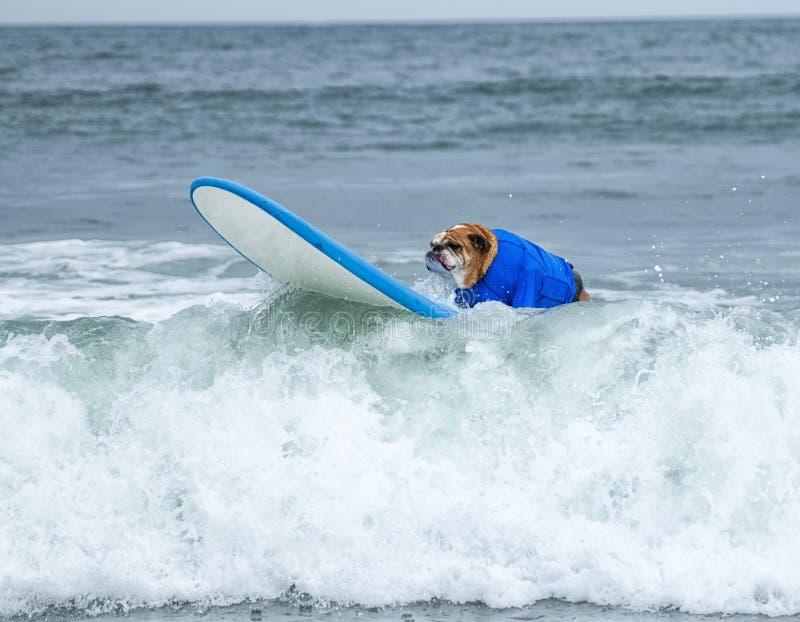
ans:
x=453 y=246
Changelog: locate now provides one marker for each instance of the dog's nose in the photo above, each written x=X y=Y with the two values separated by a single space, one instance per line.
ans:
x=437 y=248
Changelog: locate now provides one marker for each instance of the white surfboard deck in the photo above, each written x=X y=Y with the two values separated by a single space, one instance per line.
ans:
x=282 y=244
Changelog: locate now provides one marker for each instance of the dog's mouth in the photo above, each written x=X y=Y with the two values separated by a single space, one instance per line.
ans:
x=435 y=261
x=443 y=264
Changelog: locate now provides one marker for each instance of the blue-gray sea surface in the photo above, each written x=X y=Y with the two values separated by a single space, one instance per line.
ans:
x=183 y=437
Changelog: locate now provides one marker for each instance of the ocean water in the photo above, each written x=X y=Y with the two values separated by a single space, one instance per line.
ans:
x=183 y=437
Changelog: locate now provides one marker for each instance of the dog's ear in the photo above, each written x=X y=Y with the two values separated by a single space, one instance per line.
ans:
x=479 y=242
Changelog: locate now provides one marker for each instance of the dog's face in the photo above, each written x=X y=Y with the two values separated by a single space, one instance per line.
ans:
x=462 y=253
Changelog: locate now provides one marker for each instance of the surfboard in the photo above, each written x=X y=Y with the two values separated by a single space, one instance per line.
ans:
x=282 y=244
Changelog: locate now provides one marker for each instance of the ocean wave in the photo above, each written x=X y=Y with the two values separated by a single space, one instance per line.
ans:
x=67 y=97
x=378 y=113
x=67 y=279
x=636 y=453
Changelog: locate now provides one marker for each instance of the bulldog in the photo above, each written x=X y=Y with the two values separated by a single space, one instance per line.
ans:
x=493 y=264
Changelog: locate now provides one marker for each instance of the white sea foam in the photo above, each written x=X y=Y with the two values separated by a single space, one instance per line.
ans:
x=147 y=281
x=637 y=454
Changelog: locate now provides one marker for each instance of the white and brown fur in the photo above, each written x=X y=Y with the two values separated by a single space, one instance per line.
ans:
x=464 y=254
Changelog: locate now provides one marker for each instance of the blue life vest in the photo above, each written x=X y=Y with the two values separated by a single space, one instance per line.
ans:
x=522 y=275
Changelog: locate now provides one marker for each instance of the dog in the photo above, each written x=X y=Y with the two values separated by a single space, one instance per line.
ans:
x=493 y=264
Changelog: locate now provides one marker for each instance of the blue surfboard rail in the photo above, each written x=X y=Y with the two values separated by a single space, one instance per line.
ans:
x=350 y=261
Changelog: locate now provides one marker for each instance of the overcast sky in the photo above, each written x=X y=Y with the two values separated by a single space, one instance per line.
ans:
x=37 y=11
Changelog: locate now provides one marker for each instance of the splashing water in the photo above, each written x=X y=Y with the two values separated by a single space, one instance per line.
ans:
x=631 y=453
